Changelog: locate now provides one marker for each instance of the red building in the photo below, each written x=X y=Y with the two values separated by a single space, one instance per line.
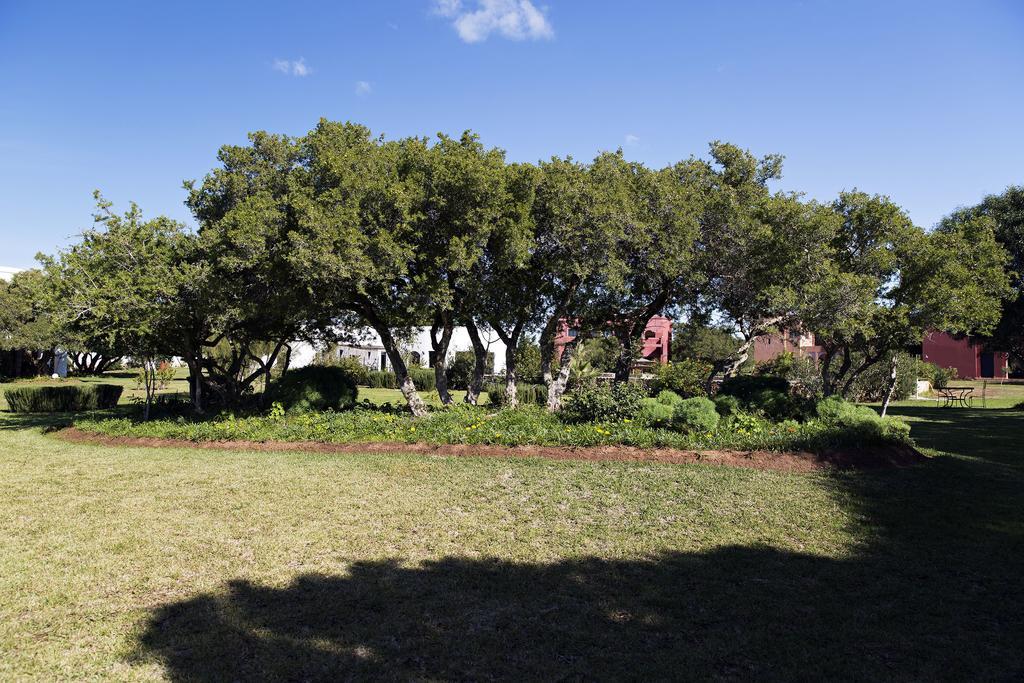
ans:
x=801 y=345
x=657 y=339
x=968 y=355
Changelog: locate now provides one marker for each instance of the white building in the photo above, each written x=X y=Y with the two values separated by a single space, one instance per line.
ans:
x=370 y=352
x=6 y=272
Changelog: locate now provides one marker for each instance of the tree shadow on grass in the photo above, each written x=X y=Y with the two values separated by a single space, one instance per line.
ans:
x=47 y=422
x=934 y=593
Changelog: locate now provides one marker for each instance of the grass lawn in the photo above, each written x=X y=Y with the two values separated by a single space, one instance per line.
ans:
x=134 y=563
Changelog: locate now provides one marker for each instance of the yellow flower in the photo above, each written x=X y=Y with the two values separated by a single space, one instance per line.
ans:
x=412 y=429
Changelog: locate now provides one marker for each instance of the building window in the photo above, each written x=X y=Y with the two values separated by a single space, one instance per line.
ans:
x=415 y=358
x=573 y=332
x=649 y=334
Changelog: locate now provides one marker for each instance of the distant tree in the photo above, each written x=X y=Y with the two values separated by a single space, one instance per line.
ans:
x=1006 y=210
x=26 y=321
x=118 y=287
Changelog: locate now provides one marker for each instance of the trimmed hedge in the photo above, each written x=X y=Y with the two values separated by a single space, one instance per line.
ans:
x=697 y=414
x=423 y=378
x=528 y=394
x=63 y=399
x=316 y=387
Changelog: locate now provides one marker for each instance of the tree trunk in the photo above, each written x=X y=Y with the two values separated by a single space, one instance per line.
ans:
x=511 y=387
x=405 y=383
x=558 y=384
x=440 y=347
x=196 y=384
x=476 y=385
x=893 y=365
x=739 y=357
x=624 y=362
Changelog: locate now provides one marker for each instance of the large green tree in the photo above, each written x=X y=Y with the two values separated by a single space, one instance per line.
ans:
x=762 y=251
x=1006 y=210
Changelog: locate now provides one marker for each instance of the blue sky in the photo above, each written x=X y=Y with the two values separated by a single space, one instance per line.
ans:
x=922 y=101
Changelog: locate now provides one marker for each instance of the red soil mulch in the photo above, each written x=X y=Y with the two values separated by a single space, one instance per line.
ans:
x=851 y=458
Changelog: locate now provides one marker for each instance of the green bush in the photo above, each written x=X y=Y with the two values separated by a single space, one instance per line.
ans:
x=460 y=370
x=767 y=394
x=655 y=413
x=695 y=414
x=602 y=402
x=63 y=399
x=874 y=382
x=423 y=378
x=526 y=394
x=800 y=370
x=861 y=423
x=668 y=398
x=726 y=405
x=381 y=379
x=354 y=367
x=685 y=377
x=315 y=388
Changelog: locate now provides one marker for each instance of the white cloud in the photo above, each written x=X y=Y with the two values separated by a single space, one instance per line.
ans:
x=295 y=67
x=363 y=87
x=514 y=19
x=631 y=139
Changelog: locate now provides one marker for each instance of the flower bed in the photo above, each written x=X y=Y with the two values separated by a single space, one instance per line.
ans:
x=519 y=427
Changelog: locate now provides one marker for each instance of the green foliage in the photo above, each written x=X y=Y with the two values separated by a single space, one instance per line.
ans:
x=695 y=414
x=686 y=377
x=460 y=369
x=381 y=379
x=316 y=388
x=655 y=413
x=62 y=399
x=354 y=368
x=526 y=394
x=872 y=384
x=861 y=422
x=423 y=378
x=727 y=405
x=610 y=402
x=668 y=398
x=769 y=395
x=938 y=376
x=802 y=372
x=528 y=368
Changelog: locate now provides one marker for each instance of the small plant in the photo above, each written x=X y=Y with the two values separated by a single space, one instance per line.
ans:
x=695 y=414
x=654 y=413
x=726 y=405
x=164 y=374
x=668 y=398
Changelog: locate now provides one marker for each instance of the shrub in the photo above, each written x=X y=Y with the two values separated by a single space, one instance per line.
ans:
x=686 y=377
x=874 y=382
x=668 y=398
x=460 y=370
x=423 y=378
x=602 y=402
x=63 y=399
x=654 y=413
x=802 y=372
x=381 y=379
x=861 y=424
x=726 y=405
x=696 y=414
x=527 y=394
x=354 y=368
x=765 y=393
x=316 y=388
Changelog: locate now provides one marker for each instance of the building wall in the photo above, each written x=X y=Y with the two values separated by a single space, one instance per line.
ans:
x=769 y=346
x=961 y=353
x=657 y=339
x=370 y=352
